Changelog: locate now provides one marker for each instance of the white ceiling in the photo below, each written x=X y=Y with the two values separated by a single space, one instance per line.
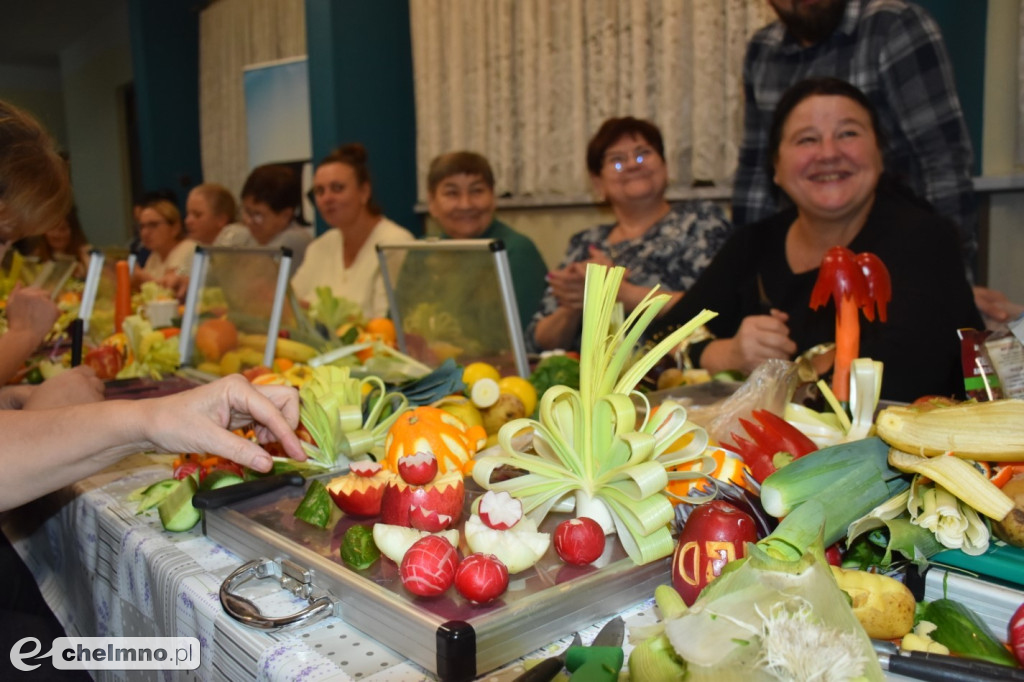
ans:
x=33 y=32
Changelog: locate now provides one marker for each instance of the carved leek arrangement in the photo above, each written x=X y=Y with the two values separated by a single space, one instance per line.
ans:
x=588 y=444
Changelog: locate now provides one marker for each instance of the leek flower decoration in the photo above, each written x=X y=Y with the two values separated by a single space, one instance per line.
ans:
x=588 y=444
x=347 y=416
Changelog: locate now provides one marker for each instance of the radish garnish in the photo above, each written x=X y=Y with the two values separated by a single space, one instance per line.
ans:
x=428 y=568
x=418 y=468
x=499 y=510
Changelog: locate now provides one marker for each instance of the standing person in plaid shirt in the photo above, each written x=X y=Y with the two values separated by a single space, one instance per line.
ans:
x=893 y=51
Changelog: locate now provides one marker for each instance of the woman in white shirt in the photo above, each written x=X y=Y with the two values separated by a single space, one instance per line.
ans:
x=161 y=231
x=345 y=257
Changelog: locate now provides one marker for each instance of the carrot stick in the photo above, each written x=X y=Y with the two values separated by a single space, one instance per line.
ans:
x=122 y=295
x=847 y=346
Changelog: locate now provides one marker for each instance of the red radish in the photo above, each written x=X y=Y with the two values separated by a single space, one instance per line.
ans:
x=428 y=568
x=579 y=541
x=365 y=467
x=500 y=510
x=418 y=469
x=428 y=519
x=481 y=578
x=358 y=494
x=1016 y=631
x=834 y=554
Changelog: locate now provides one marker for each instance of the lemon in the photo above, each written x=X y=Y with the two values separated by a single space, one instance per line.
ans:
x=522 y=389
x=475 y=371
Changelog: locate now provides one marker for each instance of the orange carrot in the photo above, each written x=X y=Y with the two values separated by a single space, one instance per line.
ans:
x=122 y=295
x=847 y=346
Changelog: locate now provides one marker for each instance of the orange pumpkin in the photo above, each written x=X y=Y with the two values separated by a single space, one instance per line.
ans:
x=431 y=429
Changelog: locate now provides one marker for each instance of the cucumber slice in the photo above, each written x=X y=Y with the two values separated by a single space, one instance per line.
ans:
x=156 y=493
x=219 y=478
x=176 y=511
x=316 y=507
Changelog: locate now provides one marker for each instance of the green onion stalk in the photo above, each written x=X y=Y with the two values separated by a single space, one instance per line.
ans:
x=347 y=416
x=588 y=446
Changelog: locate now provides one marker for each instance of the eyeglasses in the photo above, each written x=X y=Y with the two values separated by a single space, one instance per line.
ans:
x=619 y=161
x=255 y=217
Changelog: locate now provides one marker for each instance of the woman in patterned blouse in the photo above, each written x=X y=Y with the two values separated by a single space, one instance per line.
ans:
x=659 y=244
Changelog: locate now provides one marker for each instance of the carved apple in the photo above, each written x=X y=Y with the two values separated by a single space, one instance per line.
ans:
x=433 y=506
x=361 y=491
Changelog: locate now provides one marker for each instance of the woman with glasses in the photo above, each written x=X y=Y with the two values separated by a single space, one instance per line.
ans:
x=163 y=235
x=658 y=243
x=271 y=197
x=345 y=258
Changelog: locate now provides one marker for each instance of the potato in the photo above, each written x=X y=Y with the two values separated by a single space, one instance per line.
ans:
x=883 y=605
x=1011 y=529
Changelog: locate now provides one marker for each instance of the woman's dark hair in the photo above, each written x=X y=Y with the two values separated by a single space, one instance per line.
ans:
x=809 y=88
x=275 y=185
x=458 y=163
x=354 y=155
x=612 y=130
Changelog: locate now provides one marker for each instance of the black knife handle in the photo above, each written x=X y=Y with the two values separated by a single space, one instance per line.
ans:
x=941 y=668
x=229 y=494
x=543 y=671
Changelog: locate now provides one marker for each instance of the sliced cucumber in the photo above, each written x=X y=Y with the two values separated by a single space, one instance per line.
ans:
x=316 y=507
x=219 y=478
x=176 y=511
x=156 y=493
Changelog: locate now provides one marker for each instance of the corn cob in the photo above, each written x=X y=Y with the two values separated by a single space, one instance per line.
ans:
x=989 y=431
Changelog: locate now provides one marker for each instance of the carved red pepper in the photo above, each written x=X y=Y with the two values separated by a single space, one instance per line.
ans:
x=855 y=283
x=770 y=436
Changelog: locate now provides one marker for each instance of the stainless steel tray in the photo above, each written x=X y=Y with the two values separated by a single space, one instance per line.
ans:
x=447 y=635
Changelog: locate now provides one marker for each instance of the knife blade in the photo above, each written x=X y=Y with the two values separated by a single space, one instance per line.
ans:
x=603 y=659
x=219 y=497
x=549 y=667
x=934 y=667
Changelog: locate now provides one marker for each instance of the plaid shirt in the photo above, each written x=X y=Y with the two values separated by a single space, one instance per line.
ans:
x=893 y=51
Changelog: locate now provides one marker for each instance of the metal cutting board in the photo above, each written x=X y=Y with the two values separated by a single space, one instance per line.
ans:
x=447 y=635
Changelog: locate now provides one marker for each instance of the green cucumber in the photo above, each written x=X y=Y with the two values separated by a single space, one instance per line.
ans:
x=964 y=633
x=176 y=511
x=219 y=478
x=317 y=506
x=156 y=493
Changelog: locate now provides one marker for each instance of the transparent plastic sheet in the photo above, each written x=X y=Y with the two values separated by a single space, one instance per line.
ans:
x=770 y=386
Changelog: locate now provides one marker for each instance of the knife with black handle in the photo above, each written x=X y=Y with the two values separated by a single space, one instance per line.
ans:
x=942 y=668
x=229 y=494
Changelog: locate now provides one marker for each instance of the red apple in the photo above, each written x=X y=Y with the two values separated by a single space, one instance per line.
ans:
x=443 y=496
x=357 y=494
x=428 y=567
x=714 y=534
x=418 y=468
x=579 y=541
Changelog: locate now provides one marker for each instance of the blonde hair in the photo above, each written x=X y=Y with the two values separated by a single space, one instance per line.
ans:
x=169 y=212
x=35 y=192
x=219 y=198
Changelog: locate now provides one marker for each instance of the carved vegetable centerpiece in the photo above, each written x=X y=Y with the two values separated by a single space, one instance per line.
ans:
x=587 y=444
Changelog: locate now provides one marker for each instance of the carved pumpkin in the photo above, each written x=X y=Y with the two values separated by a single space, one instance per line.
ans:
x=431 y=429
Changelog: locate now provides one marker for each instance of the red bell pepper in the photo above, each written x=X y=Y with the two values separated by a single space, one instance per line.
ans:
x=771 y=436
x=854 y=282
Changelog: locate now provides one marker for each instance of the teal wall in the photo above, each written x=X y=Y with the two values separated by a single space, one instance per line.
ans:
x=361 y=90
x=165 y=60
x=963 y=27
